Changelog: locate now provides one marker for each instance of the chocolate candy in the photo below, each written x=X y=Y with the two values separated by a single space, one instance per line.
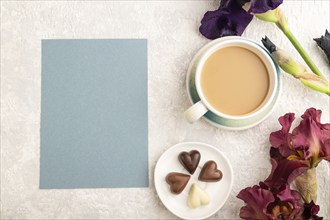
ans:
x=210 y=173
x=190 y=160
x=197 y=197
x=177 y=181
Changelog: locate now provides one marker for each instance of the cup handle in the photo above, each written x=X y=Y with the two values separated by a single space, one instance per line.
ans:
x=196 y=111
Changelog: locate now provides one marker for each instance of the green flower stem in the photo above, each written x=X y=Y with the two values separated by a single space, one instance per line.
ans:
x=300 y=49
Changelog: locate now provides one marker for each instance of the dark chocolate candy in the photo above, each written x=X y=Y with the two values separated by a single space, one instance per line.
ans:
x=190 y=160
x=210 y=172
x=177 y=181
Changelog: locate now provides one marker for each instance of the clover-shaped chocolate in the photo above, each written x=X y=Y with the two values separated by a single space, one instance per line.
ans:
x=178 y=181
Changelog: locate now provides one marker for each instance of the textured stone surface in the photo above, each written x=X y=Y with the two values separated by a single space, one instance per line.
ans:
x=171 y=28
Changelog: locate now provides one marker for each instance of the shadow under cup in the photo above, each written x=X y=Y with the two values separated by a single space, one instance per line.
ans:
x=213 y=115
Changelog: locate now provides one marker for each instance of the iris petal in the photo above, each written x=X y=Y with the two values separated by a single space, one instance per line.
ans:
x=283 y=170
x=261 y=6
x=312 y=137
x=281 y=138
x=263 y=203
x=257 y=200
x=292 y=198
x=310 y=211
x=230 y=19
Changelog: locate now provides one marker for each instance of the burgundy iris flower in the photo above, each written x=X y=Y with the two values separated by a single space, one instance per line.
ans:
x=309 y=141
x=294 y=156
x=231 y=19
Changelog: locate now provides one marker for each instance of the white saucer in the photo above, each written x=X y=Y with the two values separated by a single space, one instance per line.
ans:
x=218 y=191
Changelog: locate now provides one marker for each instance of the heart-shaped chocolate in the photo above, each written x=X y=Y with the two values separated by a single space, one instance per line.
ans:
x=190 y=160
x=177 y=181
x=197 y=197
x=210 y=172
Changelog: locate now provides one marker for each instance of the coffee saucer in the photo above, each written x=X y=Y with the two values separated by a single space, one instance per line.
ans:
x=218 y=121
x=218 y=191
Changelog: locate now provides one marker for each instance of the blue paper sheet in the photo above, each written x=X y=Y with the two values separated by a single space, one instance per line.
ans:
x=94 y=114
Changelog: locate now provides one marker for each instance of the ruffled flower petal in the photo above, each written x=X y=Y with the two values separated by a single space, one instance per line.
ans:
x=284 y=170
x=312 y=137
x=257 y=201
x=281 y=138
x=310 y=211
x=261 y=6
x=293 y=199
x=263 y=203
x=230 y=19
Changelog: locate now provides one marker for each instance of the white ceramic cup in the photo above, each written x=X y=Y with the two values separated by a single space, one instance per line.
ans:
x=197 y=110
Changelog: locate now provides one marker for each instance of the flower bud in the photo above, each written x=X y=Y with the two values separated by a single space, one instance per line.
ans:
x=286 y=63
x=324 y=43
x=275 y=16
x=297 y=70
x=270 y=16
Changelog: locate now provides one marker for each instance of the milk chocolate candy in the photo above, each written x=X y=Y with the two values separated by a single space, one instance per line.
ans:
x=177 y=181
x=210 y=172
x=190 y=160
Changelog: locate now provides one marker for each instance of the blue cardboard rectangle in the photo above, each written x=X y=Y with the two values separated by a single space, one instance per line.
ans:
x=94 y=114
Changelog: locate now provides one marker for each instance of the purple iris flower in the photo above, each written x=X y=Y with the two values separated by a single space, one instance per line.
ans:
x=231 y=19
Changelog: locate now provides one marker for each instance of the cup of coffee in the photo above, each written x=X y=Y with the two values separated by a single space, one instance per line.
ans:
x=233 y=82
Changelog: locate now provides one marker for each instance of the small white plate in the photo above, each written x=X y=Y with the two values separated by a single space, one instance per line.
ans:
x=218 y=191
